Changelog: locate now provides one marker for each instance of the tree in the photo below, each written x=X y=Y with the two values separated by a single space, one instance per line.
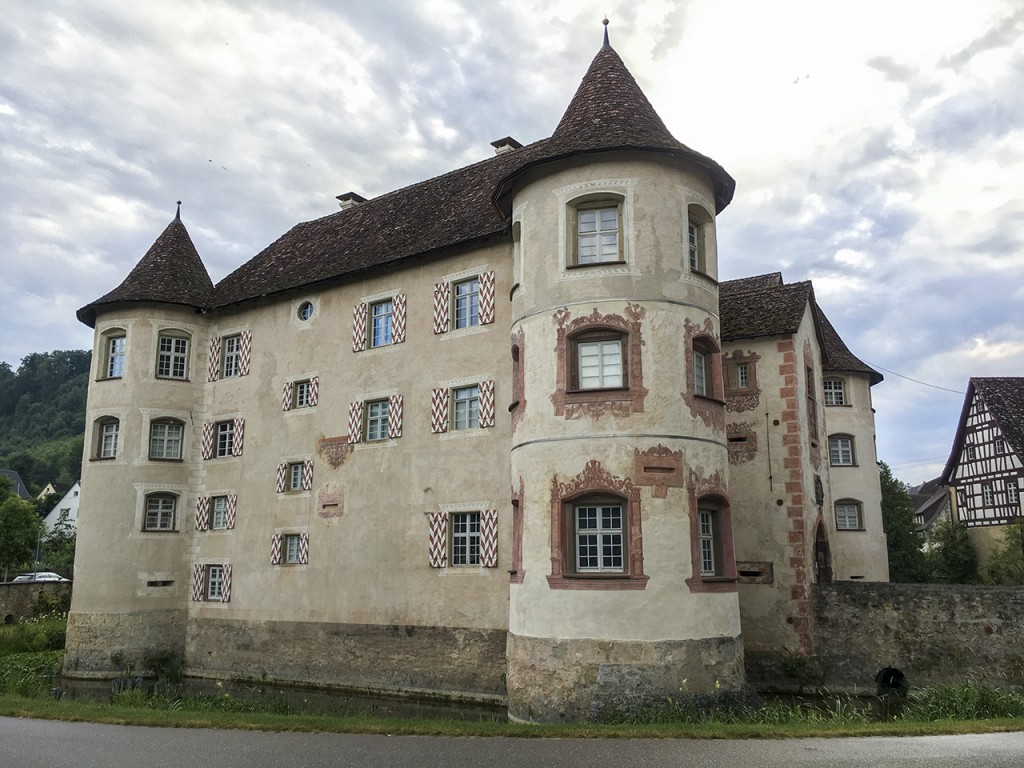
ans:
x=20 y=527
x=903 y=540
x=57 y=551
x=952 y=559
x=1006 y=562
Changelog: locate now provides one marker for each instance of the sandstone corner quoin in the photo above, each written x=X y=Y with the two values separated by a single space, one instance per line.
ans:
x=501 y=433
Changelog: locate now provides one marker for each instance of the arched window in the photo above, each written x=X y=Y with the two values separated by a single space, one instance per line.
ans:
x=711 y=545
x=114 y=345
x=840 y=451
x=172 y=359
x=166 y=437
x=848 y=515
x=699 y=238
x=161 y=512
x=596 y=230
x=598 y=359
x=704 y=357
x=105 y=437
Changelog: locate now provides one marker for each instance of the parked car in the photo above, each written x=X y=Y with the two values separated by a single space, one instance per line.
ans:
x=40 y=576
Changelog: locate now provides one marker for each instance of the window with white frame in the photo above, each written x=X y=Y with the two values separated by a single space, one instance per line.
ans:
x=219 y=512
x=1012 y=491
x=840 y=450
x=381 y=323
x=464 y=528
x=598 y=361
x=295 y=476
x=376 y=420
x=165 y=439
x=301 y=394
x=703 y=361
x=1000 y=445
x=172 y=356
x=599 y=537
x=160 y=512
x=970 y=452
x=987 y=497
x=115 y=344
x=708 y=541
x=742 y=375
x=848 y=515
x=225 y=439
x=835 y=391
x=214 y=582
x=106 y=443
x=292 y=548
x=466 y=407
x=231 y=350
x=466 y=303
x=698 y=229
x=597 y=233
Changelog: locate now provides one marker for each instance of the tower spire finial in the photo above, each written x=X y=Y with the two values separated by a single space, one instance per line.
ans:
x=606 y=43
x=177 y=216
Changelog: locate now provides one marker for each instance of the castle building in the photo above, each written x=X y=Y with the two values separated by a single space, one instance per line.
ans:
x=502 y=433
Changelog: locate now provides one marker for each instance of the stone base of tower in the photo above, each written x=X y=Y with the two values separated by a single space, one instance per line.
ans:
x=554 y=680
x=103 y=645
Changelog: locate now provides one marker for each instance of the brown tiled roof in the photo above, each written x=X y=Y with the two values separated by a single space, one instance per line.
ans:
x=755 y=283
x=752 y=307
x=171 y=272
x=838 y=356
x=610 y=112
x=1004 y=398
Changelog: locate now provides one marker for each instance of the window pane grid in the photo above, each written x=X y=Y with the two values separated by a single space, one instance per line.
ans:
x=377 y=420
x=302 y=394
x=173 y=357
x=600 y=364
x=700 y=382
x=599 y=538
x=225 y=438
x=742 y=375
x=467 y=303
x=848 y=517
x=466 y=408
x=381 y=331
x=291 y=548
x=835 y=392
x=295 y=477
x=165 y=441
x=693 y=237
x=220 y=512
x=108 y=440
x=841 y=451
x=115 y=357
x=215 y=582
x=466 y=538
x=160 y=513
x=231 y=353
x=597 y=235
x=706 y=535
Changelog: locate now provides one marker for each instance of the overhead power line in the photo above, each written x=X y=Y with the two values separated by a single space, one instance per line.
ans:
x=917 y=381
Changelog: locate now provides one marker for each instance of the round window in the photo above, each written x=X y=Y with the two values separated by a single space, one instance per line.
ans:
x=305 y=310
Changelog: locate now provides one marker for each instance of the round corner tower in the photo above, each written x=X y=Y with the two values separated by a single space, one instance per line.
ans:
x=623 y=590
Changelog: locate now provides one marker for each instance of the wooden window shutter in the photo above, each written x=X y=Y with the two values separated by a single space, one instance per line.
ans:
x=198 y=582
x=203 y=513
x=398 y=317
x=489 y=538
x=442 y=308
x=229 y=515
x=314 y=391
x=214 y=368
x=304 y=548
x=439 y=410
x=359 y=327
x=208 y=433
x=355 y=421
x=244 y=353
x=307 y=475
x=486 y=413
x=438 y=540
x=282 y=471
x=286 y=396
x=486 y=297
x=225 y=589
x=275 y=549
x=394 y=416
x=236 y=444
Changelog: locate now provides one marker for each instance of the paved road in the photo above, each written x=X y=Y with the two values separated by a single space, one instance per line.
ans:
x=45 y=744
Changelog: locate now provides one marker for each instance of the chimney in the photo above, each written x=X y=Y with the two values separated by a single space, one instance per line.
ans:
x=349 y=199
x=507 y=144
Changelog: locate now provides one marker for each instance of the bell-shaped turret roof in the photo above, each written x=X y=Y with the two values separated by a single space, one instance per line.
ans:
x=171 y=272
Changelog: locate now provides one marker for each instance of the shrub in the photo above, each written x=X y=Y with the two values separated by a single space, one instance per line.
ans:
x=964 y=701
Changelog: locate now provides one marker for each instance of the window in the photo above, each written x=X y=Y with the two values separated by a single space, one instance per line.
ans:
x=708 y=542
x=1000 y=445
x=971 y=453
x=466 y=407
x=300 y=395
x=106 y=446
x=835 y=391
x=597 y=235
x=465 y=535
x=599 y=537
x=377 y=420
x=1012 y=492
x=741 y=374
x=598 y=361
x=698 y=233
x=381 y=315
x=305 y=311
x=467 y=303
x=215 y=582
x=225 y=438
x=848 y=517
x=812 y=408
x=115 y=349
x=231 y=347
x=160 y=508
x=703 y=360
x=172 y=357
x=295 y=476
x=987 y=497
x=219 y=505
x=165 y=438
x=291 y=548
x=64 y=513
x=840 y=448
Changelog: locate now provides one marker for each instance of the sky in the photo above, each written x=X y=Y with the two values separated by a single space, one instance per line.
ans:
x=878 y=149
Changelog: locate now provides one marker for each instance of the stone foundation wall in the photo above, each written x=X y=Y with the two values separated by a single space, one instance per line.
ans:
x=19 y=601
x=381 y=657
x=103 y=644
x=552 y=680
x=931 y=633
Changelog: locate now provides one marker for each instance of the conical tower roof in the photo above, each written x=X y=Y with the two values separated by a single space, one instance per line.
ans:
x=171 y=272
x=609 y=112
